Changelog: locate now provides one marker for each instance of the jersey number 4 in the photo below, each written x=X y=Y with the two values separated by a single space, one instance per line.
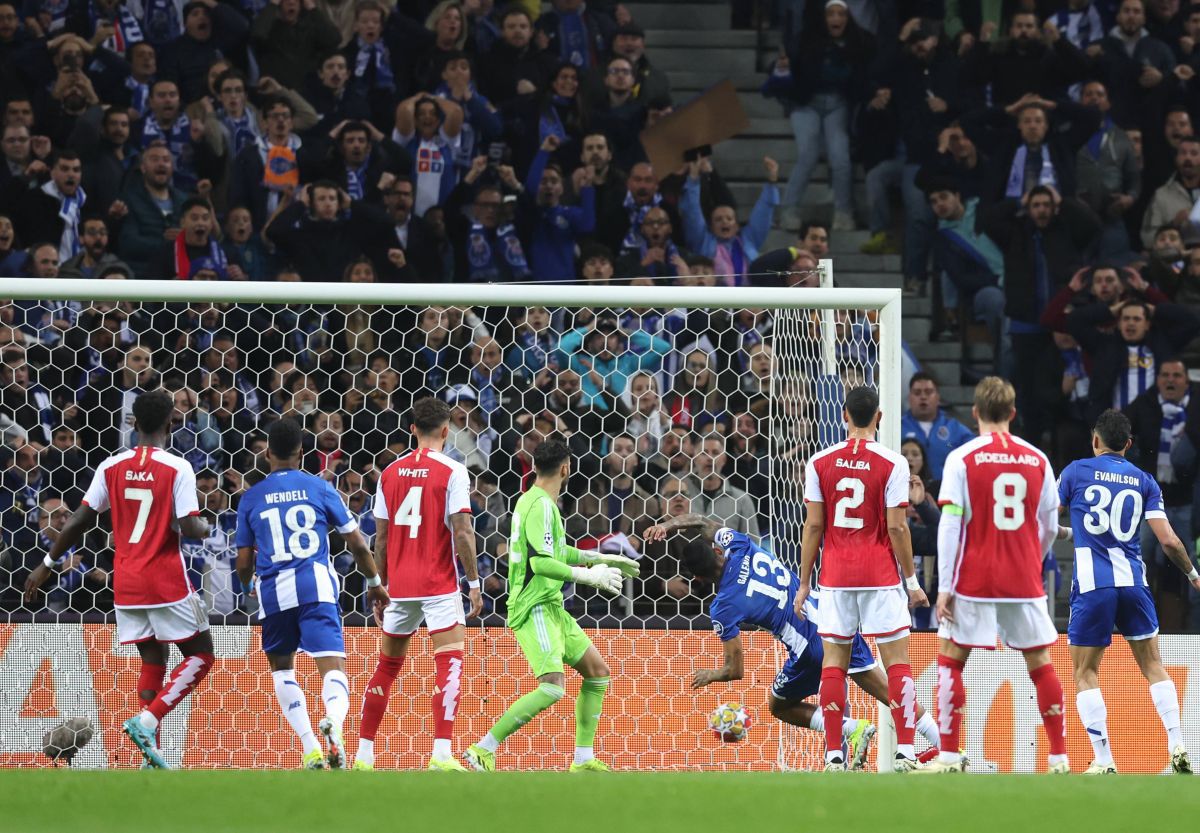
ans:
x=408 y=513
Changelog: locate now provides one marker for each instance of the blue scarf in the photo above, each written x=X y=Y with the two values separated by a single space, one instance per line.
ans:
x=178 y=137
x=435 y=373
x=481 y=256
x=637 y=213
x=244 y=130
x=126 y=29
x=1096 y=142
x=140 y=98
x=356 y=179
x=573 y=40
x=69 y=209
x=485 y=386
x=161 y=22
x=57 y=10
x=377 y=55
x=1016 y=174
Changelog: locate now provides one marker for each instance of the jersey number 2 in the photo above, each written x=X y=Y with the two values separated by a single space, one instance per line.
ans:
x=408 y=513
x=852 y=501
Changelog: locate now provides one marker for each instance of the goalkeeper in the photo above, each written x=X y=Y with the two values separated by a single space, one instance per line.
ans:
x=539 y=562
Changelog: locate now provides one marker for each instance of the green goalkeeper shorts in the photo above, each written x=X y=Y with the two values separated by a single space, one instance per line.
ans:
x=551 y=638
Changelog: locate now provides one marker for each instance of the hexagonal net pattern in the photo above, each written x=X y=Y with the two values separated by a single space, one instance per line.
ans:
x=665 y=410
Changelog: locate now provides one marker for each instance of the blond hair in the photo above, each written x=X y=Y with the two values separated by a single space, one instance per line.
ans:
x=995 y=399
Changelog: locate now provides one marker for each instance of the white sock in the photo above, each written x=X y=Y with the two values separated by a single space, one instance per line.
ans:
x=1094 y=716
x=489 y=742
x=836 y=755
x=442 y=750
x=366 y=751
x=906 y=749
x=1166 y=700
x=817 y=723
x=148 y=720
x=1054 y=760
x=928 y=728
x=335 y=692
x=583 y=754
x=950 y=757
x=294 y=706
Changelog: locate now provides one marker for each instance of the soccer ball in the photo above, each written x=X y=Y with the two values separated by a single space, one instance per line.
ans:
x=731 y=722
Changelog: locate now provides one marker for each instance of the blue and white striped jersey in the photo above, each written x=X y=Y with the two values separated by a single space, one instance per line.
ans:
x=1109 y=497
x=287 y=517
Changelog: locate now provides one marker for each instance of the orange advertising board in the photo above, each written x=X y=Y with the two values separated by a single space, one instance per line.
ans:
x=652 y=720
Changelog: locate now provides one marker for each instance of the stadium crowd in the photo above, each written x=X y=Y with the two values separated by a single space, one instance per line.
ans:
x=1042 y=153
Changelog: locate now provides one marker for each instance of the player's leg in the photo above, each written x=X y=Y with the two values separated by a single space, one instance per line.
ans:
x=445 y=618
x=152 y=674
x=837 y=623
x=1089 y=633
x=800 y=679
x=320 y=628
x=1027 y=627
x=185 y=624
x=400 y=620
x=1165 y=697
x=874 y=682
x=887 y=618
x=584 y=658
x=1138 y=620
x=292 y=700
x=541 y=642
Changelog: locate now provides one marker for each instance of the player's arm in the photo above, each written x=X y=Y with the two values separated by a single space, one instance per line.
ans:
x=193 y=526
x=1174 y=548
x=659 y=532
x=81 y=520
x=810 y=545
x=539 y=535
x=245 y=566
x=357 y=545
x=949 y=535
x=901 y=538
x=381 y=540
x=732 y=670
x=464 y=547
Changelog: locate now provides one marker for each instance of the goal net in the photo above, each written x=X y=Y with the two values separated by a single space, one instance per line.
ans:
x=673 y=399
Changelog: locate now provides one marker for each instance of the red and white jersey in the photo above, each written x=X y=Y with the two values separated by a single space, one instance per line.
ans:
x=416 y=496
x=1005 y=487
x=861 y=480
x=147 y=489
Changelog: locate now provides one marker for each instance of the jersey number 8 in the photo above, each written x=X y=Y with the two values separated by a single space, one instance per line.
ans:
x=1008 y=501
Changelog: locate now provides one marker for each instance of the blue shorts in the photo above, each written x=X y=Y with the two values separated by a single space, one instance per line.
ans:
x=316 y=629
x=800 y=676
x=1095 y=613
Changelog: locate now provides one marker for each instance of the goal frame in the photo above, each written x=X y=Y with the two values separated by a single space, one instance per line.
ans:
x=886 y=302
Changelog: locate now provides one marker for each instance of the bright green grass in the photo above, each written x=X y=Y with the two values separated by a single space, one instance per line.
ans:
x=390 y=802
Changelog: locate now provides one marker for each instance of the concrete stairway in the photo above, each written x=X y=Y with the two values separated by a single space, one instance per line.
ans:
x=693 y=44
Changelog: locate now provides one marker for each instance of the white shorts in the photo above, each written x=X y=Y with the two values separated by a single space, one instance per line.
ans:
x=440 y=613
x=176 y=622
x=1024 y=626
x=881 y=613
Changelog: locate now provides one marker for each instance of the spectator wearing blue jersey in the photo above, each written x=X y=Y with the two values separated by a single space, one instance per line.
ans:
x=555 y=226
x=938 y=432
x=736 y=565
x=282 y=536
x=1108 y=498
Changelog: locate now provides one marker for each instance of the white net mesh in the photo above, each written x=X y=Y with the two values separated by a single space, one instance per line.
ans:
x=667 y=410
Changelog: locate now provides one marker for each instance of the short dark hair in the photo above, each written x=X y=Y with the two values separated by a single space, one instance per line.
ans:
x=273 y=101
x=152 y=411
x=512 y=9
x=700 y=560
x=1041 y=190
x=921 y=376
x=1114 y=429
x=809 y=225
x=353 y=126
x=592 y=251
x=429 y=414
x=284 y=438
x=234 y=74
x=549 y=455
x=194 y=202
x=862 y=403
x=67 y=154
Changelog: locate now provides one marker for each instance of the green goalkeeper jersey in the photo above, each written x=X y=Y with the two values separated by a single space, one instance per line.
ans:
x=537 y=530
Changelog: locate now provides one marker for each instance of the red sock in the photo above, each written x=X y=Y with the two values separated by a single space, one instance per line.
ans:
x=150 y=680
x=446 y=694
x=186 y=676
x=951 y=697
x=1050 y=704
x=375 y=698
x=832 y=698
x=903 y=695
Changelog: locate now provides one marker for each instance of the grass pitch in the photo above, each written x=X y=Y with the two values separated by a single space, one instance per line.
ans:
x=297 y=802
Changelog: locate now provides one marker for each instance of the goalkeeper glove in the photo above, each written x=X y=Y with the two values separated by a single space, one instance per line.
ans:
x=603 y=578
x=628 y=567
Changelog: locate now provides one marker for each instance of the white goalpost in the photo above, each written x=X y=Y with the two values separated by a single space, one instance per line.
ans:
x=347 y=359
